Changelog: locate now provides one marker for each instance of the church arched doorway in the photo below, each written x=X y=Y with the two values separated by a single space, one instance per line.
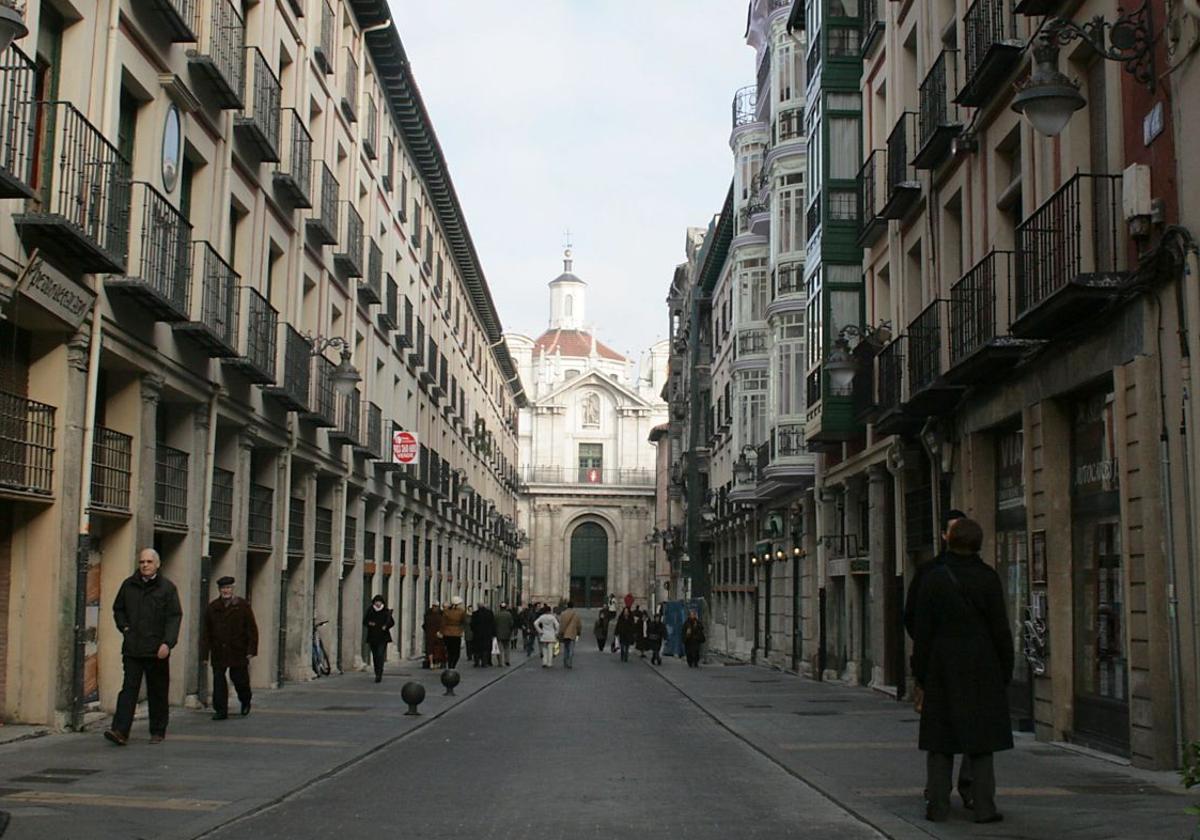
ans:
x=589 y=565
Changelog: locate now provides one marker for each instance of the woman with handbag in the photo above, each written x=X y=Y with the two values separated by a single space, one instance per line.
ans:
x=547 y=631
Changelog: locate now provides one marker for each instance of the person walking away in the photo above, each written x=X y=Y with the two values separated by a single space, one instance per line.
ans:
x=483 y=630
x=569 y=630
x=228 y=639
x=693 y=639
x=528 y=632
x=505 y=624
x=656 y=632
x=963 y=661
x=453 y=618
x=547 y=630
x=600 y=628
x=435 y=647
x=516 y=622
x=148 y=614
x=626 y=632
x=379 y=623
x=965 y=775
x=640 y=620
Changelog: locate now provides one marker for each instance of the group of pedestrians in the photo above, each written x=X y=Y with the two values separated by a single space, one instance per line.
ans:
x=632 y=628
x=487 y=635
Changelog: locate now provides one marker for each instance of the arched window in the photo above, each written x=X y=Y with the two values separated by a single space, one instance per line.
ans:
x=569 y=307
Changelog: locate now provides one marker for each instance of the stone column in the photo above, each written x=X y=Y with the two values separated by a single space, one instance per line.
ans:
x=145 y=465
x=557 y=563
x=877 y=477
x=190 y=568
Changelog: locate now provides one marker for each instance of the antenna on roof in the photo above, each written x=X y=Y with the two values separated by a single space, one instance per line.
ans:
x=567 y=251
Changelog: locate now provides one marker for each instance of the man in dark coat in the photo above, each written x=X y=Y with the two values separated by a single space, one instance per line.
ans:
x=505 y=625
x=379 y=623
x=148 y=614
x=483 y=629
x=963 y=659
x=229 y=637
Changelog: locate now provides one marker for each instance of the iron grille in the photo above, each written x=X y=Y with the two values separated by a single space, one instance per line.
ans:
x=26 y=444
x=323 y=533
x=296 y=514
x=262 y=503
x=350 y=541
x=112 y=459
x=18 y=109
x=170 y=486
x=220 y=517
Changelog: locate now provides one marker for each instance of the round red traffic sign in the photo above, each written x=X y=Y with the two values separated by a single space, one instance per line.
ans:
x=404 y=447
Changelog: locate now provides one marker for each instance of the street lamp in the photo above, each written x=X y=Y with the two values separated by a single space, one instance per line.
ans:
x=841 y=369
x=345 y=375
x=12 y=24
x=1048 y=98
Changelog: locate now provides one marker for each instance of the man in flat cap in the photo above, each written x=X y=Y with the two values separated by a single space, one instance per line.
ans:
x=229 y=637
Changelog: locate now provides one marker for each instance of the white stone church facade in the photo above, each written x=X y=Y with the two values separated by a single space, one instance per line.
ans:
x=587 y=465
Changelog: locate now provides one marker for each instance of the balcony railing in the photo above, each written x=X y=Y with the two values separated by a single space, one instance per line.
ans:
x=891 y=376
x=903 y=188
x=789 y=440
x=789 y=125
x=321 y=398
x=323 y=50
x=939 y=119
x=323 y=224
x=389 y=315
x=374 y=436
x=258 y=327
x=170 y=486
x=293 y=177
x=18 y=112
x=296 y=522
x=295 y=362
x=370 y=137
x=789 y=279
x=220 y=515
x=220 y=53
x=82 y=218
x=751 y=342
x=179 y=17
x=112 y=467
x=323 y=533
x=992 y=50
x=925 y=347
x=261 y=519
x=159 y=275
x=872 y=26
x=348 y=426
x=745 y=106
x=872 y=179
x=214 y=315
x=1070 y=254
x=980 y=315
x=349 y=85
x=349 y=261
x=26 y=445
x=371 y=289
x=587 y=475
x=259 y=121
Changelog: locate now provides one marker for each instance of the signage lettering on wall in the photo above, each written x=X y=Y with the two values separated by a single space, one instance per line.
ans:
x=57 y=293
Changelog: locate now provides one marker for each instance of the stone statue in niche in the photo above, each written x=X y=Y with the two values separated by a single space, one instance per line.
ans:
x=591 y=411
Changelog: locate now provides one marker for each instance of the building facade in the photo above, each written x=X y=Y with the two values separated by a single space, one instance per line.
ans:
x=587 y=465
x=232 y=267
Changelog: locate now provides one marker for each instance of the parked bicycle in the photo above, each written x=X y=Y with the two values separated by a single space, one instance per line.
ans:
x=320 y=658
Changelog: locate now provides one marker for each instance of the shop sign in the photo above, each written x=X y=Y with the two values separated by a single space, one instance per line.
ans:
x=1093 y=445
x=405 y=449
x=56 y=293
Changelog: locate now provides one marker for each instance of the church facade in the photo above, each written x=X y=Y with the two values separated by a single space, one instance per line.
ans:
x=587 y=465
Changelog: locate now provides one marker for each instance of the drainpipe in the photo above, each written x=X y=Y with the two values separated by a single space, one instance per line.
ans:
x=1172 y=594
x=285 y=496
x=210 y=456
x=1191 y=339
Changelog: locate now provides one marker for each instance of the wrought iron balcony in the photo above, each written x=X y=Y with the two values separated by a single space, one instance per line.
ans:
x=26 y=445
x=751 y=342
x=992 y=50
x=322 y=405
x=349 y=85
x=323 y=50
x=112 y=468
x=389 y=315
x=386 y=463
x=170 y=487
x=872 y=26
x=159 y=274
x=259 y=122
x=81 y=218
x=1070 y=256
x=295 y=362
x=981 y=311
x=220 y=514
x=323 y=533
x=587 y=475
x=370 y=137
x=323 y=224
x=220 y=53
x=939 y=121
x=297 y=510
x=928 y=392
x=18 y=113
x=404 y=335
x=789 y=279
x=348 y=428
x=258 y=326
x=889 y=401
x=293 y=177
x=903 y=188
x=214 y=313
x=349 y=261
x=872 y=179
x=374 y=436
x=789 y=440
x=371 y=289
x=179 y=17
x=745 y=106
x=261 y=519
x=789 y=125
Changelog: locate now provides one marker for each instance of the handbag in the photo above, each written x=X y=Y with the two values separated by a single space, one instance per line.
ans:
x=495 y=647
x=557 y=648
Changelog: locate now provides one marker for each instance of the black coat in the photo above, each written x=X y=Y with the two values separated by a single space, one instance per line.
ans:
x=148 y=614
x=626 y=629
x=379 y=624
x=963 y=658
x=228 y=634
x=693 y=633
x=483 y=626
x=656 y=633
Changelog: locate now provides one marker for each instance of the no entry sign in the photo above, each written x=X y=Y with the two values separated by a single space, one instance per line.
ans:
x=404 y=448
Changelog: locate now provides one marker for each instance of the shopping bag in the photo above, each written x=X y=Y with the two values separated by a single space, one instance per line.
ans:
x=495 y=647
x=557 y=648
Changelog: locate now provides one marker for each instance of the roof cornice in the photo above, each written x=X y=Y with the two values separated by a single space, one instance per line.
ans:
x=716 y=246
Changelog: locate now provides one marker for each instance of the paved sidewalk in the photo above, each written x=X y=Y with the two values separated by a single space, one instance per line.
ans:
x=859 y=748
x=77 y=786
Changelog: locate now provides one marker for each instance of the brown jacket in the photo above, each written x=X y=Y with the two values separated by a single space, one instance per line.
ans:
x=228 y=633
x=452 y=621
x=569 y=624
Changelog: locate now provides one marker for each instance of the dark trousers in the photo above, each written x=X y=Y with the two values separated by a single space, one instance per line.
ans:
x=600 y=640
x=693 y=654
x=483 y=651
x=656 y=653
x=453 y=650
x=158 y=680
x=378 y=657
x=624 y=651
x=976 y=777
x=240 y=676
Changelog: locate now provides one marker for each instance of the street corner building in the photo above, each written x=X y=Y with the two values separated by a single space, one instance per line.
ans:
x=233 y=269
x=952 y=272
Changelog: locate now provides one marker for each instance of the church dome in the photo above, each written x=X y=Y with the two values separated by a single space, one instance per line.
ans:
x=573 y=344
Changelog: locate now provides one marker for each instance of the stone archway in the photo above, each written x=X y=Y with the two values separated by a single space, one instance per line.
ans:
x=589 y=564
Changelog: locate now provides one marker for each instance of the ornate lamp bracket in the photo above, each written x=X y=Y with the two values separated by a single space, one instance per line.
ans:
x=1129 y=39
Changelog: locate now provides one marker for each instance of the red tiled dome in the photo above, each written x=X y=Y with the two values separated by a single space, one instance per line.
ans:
x=575 y=343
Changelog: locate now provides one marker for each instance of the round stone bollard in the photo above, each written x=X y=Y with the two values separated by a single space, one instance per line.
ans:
x=413 y=693
x=450 y=678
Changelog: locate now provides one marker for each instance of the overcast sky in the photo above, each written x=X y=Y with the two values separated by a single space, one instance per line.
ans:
x=608 y=117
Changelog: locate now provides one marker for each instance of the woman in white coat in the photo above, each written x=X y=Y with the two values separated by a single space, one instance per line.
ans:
x=547 y=630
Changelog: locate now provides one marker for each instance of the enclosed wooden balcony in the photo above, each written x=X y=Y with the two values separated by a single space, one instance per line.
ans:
x=259 y=122
x=26 y=446
x=981 y=309
x=992 y=51
x=220 y=53
x=258 y=326
x=159 y=274
x=293 y=176
x=295 y=365
x=18 y=115
x=213 y=321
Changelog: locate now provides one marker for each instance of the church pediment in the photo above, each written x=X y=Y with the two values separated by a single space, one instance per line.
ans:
x=618 y=393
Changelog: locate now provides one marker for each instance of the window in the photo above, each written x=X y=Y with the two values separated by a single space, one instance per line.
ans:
x=789 y=235
x=789 y=365
x=844 y=157
x=755 y=289
x=753 y=399
x=591 y=463
x=569 y=306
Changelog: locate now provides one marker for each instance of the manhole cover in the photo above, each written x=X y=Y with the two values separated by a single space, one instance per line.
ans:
x=346 y=709
x=817 y=713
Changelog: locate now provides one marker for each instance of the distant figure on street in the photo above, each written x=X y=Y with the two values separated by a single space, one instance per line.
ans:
x=547 y=630
x=505 y=624
x=528 y=632
x=435 y=648
x=640 y=619
x=693 y=639
x=600 y=628
x=516 y=622
x=656 y=632
x=379 y=624
x=229 y=638
x=483 y=630
x=453 y=618
x=963 y=660
x=570 y=628
x=626 y=633
x=148 y=614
